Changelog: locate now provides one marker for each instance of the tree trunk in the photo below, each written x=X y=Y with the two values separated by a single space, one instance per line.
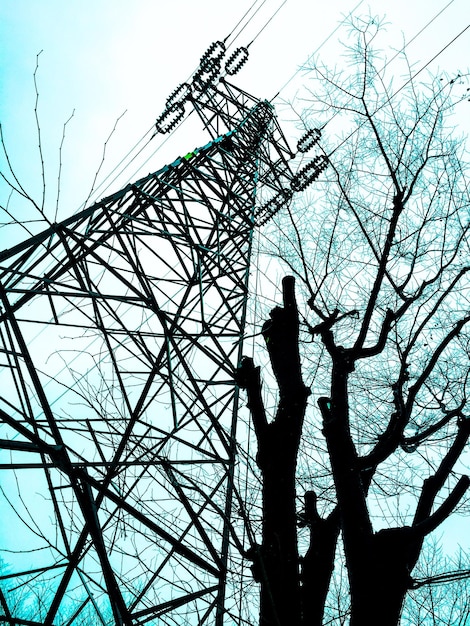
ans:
x=383 y=580
x=279 y=564
x=319 y=561
x=276 y=562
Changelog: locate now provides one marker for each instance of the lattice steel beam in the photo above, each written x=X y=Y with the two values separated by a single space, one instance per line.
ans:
x=120 y=329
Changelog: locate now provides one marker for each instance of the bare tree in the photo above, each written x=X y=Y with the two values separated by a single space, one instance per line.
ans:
x=367 y=441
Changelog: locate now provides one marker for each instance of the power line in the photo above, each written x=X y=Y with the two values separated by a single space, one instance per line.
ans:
x=433 y=59
x=321 y=46
x=242 y=29
x=408 y=43
x=387 y=63
x=130 y=177
x=440 y=579
x=318 y=48
x=267 y=23
x=438 y=14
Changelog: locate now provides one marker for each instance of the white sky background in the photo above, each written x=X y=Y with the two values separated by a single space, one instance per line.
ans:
x=103 y=57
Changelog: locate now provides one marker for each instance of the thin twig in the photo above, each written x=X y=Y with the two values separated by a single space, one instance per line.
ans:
x=19 y=188
x=60 y=165
x=103 y=156
x=38 y=128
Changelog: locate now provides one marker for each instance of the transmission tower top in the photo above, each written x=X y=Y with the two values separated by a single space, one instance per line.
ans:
x=222 y=107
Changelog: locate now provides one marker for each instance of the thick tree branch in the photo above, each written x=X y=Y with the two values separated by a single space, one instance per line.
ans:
x=281 y=334
x=318 y=563
x=434 y=484
x=442 y=513
x=248 y=377
x=414 y=389
x=410 y=443
x=392 y=437
x=365 y=353
x=398 y=207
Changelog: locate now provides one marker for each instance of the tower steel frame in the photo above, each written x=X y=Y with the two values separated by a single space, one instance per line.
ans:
x=120 y=331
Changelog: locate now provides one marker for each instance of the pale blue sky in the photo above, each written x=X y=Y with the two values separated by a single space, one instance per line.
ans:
x=103 y=57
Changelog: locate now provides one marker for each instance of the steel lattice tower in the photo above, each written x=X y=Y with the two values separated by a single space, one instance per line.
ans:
x=120 y=331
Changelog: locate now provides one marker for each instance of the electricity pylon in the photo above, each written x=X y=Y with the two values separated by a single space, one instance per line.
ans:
x=121 y=328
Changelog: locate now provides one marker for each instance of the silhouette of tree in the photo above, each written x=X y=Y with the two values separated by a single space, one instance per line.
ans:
x=371 y=369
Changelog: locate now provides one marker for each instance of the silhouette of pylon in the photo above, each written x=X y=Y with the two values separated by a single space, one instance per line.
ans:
x=120 y=330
